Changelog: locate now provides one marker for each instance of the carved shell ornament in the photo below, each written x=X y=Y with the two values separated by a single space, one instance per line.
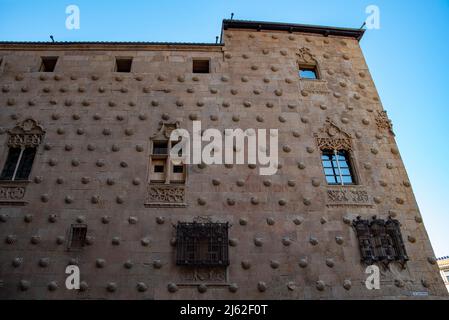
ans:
x=383 y=122
x=165 y=130
x=331 y=137
x=305 y=56
x=27 y=133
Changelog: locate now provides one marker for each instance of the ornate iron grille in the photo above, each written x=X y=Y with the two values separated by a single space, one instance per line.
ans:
x=380 y=240
x=202 y=244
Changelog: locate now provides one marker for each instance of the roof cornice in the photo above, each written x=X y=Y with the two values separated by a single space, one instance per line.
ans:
x=291 y=27
x=100 y=45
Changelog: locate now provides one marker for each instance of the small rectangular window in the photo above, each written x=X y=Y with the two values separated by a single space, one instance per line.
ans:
x=48 y=64
x=308 y=73
x=123 y=64
x=159 y=169
x=200 y=66
x=77 y=237
x=178 y=169
x=160 y=147
x=18 y=164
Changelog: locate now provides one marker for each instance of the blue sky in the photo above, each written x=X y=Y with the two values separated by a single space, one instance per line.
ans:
x=407 y=57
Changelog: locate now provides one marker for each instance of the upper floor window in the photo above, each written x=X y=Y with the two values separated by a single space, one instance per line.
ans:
x=307 y=64
x=336 y=146
x=162 y=168
x=48 y=64
x=308 y=73
x=337 y=167
x=200 y=66
x=123 y=64
x=202 y=244
x=23 y=141
x=18 y=164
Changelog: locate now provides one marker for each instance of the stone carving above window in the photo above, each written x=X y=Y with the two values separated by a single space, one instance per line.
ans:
x=383 y=122
x=338 y=196
x=331 y=137
x=165 y=130
x=27 y=133
x=305 y=57
x=165 y=196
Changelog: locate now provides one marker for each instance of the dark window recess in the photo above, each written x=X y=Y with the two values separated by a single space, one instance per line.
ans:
x=26 y=163
x=200 y=66
x=48 y=64
x=77 y=237
x=11 y=163
x=160 y=147
x=308 y=73
x=159 y=169
x=178 y=169
x=202 y=244
x=123 y=64
x=337 y=167
x=380 y=240
x=18 y=164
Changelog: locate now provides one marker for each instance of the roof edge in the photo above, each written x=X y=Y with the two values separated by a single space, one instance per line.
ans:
x=292 y=27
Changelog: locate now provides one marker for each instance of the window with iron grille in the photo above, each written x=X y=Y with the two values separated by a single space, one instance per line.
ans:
x=77 y=237
x=202 y=244
x=337 y=167
x=380 y=240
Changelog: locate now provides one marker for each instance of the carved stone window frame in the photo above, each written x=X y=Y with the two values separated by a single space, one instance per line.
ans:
x=163 y=135
x=380 y=241
x=332 y=137
x=27 y=133
x=166 y=193
x=305 y=59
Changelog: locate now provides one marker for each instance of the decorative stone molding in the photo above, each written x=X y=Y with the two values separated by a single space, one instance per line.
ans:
x=305 y=57
x=331 y=137
x=383 y=122
x=171 y=196
x=12 y=193
x=165 y=130
x=314 y=86
x=347 y=196
x=204 y=275
x=27 y=133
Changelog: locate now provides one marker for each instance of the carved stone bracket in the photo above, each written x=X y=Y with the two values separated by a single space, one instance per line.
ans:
x=166 y=196
x=331 y=137
x=347 y=196
x=383 y=122
x=27 y=133
x=12 y=193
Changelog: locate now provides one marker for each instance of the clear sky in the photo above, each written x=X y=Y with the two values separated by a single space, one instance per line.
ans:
x=408 y=58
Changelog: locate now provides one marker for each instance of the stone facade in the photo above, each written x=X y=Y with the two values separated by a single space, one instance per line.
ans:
x=290 y=234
